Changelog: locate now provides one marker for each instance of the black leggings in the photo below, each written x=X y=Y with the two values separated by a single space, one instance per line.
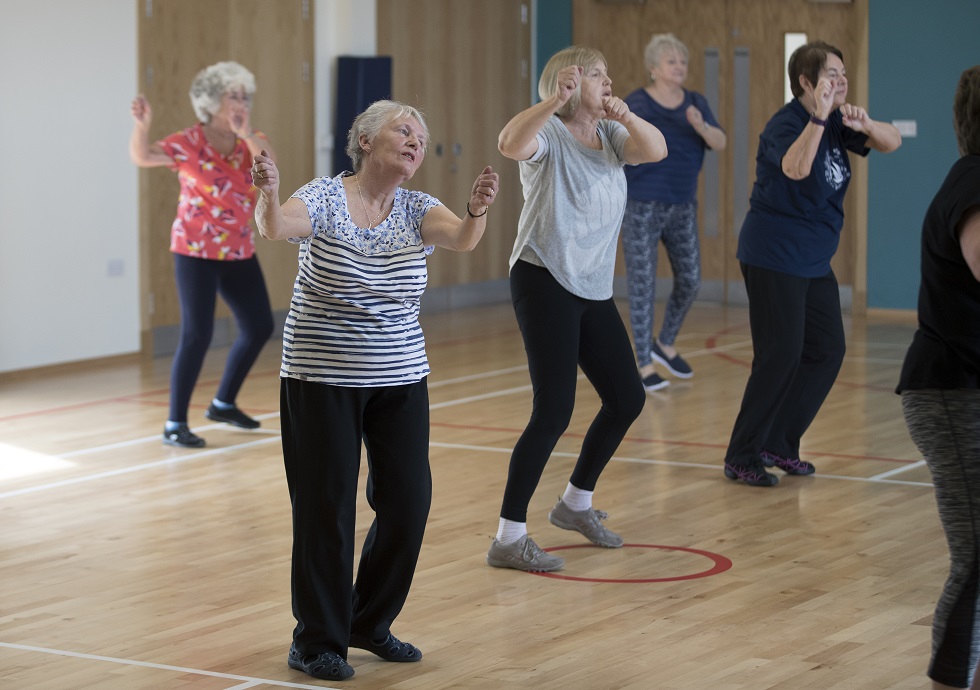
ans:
x=561 y=331
x=241 y=285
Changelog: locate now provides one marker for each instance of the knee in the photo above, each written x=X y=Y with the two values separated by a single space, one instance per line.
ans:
x=551 y=419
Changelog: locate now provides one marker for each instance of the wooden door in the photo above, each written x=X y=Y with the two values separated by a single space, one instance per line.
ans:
x=466 y=66
x=177 y=38
x=753 y=30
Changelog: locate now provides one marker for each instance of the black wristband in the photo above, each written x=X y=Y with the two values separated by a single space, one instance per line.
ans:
x=470 y=213
x=817 y=121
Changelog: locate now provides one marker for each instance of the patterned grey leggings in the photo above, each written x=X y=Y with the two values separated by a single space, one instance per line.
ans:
x=645 y=224
x=945 y=426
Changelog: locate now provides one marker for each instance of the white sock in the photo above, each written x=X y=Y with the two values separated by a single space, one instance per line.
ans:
x=509 y=531
x=577 y=499
x=221 y=404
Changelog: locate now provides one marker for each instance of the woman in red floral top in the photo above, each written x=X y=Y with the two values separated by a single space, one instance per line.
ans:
x=211 y=238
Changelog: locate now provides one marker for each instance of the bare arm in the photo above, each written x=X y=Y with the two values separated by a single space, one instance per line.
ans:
x=969 y=229
x=646 y=143
x=798 y=159
x=714 y=137
x=518 y=139
x=273 y=221
x=141 y=151
x=442 y=228
x=256 y=141
x=882 y=136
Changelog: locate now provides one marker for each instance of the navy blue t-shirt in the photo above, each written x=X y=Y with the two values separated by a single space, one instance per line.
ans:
x=673 y=180
x=945 y=351
x=793 y=226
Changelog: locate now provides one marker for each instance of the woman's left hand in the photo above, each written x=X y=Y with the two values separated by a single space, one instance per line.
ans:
x=484 y=191
x=616 y=109
x=694 y=117
x=855 y=118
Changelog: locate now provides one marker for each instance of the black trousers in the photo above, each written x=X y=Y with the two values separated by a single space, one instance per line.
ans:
x=561 y=332
x=798 y=348
x=323 y=427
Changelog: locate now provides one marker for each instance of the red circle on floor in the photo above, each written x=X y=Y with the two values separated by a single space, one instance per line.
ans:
x=721 y=564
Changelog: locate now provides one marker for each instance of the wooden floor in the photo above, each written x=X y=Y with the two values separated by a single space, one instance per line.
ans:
x=128 y=564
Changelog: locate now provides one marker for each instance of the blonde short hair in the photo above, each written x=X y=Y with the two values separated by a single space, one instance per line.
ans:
x=213 y=82
x=370 y=122
x=660 y=44
x=573 y=55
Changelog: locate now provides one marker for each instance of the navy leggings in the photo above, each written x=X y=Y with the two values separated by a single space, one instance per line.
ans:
x=199 y=282
x=561 y=331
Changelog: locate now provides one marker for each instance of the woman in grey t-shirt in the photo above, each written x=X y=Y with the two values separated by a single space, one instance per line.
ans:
x=571 y=147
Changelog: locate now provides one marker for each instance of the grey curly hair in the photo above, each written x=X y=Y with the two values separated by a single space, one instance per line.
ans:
x=213 y=82
x=370 y=122
x=966 y=111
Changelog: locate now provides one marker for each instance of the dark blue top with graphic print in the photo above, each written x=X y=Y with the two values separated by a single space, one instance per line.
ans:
x=793 y=226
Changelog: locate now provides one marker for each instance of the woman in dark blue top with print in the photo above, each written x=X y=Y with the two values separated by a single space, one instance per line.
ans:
x=785 y=246
x=662 y=206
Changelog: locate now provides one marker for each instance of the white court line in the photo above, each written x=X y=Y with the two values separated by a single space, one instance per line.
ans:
x=248 y=681
x=900 y=470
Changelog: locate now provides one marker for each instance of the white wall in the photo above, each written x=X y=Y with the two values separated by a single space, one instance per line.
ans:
x=68 y=193
x=69 y=288
x=343 y=27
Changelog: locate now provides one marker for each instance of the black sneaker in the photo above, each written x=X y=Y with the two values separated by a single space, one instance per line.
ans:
x=182 y=437
x=753 y=474
x=675 y=365
x=232 y=416
x=654 y=382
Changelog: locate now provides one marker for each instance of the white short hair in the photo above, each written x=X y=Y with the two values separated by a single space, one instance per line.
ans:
x=213 y=82
x=660 y=44
x=370 y=122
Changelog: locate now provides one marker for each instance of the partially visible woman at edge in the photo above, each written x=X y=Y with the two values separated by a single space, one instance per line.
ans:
x=354 y=370
x=211 y=238
x=662 y=206
x=940 y=388
x=572 y=147
x=788 y=238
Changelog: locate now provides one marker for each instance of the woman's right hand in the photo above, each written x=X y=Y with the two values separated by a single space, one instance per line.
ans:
x=141 y=110
x=566 y=82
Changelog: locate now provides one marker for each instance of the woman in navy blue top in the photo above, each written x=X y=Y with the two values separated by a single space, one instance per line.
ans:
x=785 y=246
x=662 y=206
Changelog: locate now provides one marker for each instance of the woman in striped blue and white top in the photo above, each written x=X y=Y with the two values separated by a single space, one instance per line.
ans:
x=354 y=370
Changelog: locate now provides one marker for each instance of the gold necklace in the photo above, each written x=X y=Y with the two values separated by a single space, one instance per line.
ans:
x=364 y=208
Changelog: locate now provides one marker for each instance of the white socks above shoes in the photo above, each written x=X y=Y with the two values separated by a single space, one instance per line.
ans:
x=577 y=499
x=509 y=531
x=574 y=498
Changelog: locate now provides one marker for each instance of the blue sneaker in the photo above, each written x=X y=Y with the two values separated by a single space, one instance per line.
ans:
x=675 y=365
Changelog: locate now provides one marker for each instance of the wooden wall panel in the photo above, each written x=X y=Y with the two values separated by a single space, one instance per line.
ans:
x=177 y=38
x=466 y=66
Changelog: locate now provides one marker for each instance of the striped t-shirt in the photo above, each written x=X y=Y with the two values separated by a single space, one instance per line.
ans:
x=353 y=318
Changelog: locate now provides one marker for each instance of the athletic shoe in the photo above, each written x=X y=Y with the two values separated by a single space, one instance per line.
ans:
x=753 y=475
x=326 y=665
x=587 y=522
x=523 y=554
x=231 y=415
x=787 y=465
x=182 y=437
x=392 y=649
x=675 y=365
x=653 y=383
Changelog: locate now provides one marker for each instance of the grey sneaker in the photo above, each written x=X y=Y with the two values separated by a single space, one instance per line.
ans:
x=588 y=522
x=523 y=554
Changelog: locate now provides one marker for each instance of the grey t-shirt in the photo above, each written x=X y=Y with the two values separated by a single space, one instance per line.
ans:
x=574 y=198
